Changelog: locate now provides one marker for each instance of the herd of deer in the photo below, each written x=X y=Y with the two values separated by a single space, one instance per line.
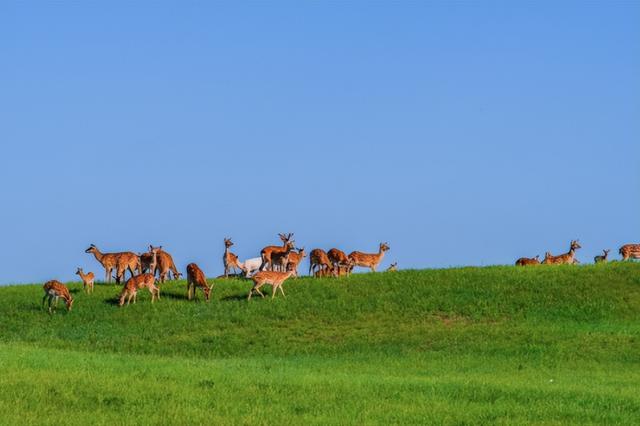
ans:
x=274 y=266
x=627 y=251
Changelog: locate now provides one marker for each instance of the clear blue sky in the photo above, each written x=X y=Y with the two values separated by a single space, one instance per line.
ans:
x=461 y=133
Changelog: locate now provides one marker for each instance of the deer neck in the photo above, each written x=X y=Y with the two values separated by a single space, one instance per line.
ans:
x=98 y=255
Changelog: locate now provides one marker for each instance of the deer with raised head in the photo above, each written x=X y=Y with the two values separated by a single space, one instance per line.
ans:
x=566 y=258
x=630 y=251
x=369 y=260
x=272 y=278
x=87 y=280
x=55 y=290
x=229 y=259
x=195 y=279
x=524 y=261
x=340 y=261
x=393 y=267
x=280 y=259
x=267 y=253
x=107 y=260
x=135 y=283
x=294 y=260
x=602 y=258
x=318 y=259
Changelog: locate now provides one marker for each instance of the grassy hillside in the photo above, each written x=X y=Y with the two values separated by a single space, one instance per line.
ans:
x=552 y=344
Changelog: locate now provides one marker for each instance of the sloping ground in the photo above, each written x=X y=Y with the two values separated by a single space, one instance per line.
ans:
x=546 y=345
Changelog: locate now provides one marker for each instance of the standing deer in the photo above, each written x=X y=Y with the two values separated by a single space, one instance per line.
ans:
x=267 y=252
x=566 y=258
x=196 y=278
x=229 y=259
x=87 y=280
x=280 y=259
x=630 y=251
x=603 y=258
x=369 y=260
x=275 y=279
x=524 y=261
x=127 y=261
x=250 y=266
x=340 y=260
x=137 y=282
x=164 y=266
x=107 y=260
x=294 y=260
x=55 y=290
x=393 y=267
x=318 y=258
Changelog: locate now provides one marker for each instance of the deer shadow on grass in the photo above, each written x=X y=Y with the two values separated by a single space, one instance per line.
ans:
x=174 y=296
x=234 y=297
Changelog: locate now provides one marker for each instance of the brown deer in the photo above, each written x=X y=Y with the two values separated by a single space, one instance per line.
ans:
x=137 y=282
x=127 y=261
x=603 y=258
x=267 y=252
x=87 y=280
x=165 y=265
x=340 y=260
x=55 y=290
x=294 y=260
x=280 y=259
x=229 y=259
x=369 y=260
x=196 y=278
x=630 y=251
x=107 y=260
x=393 y=267
x=318 y=258
x=275 y=279
x=566 y=258
x=524 y=261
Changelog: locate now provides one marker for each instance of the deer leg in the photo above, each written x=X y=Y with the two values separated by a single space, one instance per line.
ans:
x=281 y=290
x=108 y=277
x=44 y=299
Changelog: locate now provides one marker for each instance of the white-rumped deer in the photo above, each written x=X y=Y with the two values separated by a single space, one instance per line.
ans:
x=55 y=290
x=369 y=260
x=195 y=279
x=87 y=280
x=135 y=283
x=275 y=279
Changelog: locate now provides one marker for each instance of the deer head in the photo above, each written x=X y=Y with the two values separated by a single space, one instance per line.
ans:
x=227 y=242
x=575 y=245
x=92 y=249
x=384 y=247
x=285 y=238
x=79 y=271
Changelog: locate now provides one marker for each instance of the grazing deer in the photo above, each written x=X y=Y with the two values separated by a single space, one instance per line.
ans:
x=340 y=260
x=250 y=266
x=164 y=266
x=318 y=258
x=566 y=258
x=137 y=282
x=393 y=267
x=603 y=258
x=294 y=260
x=196 y=278
x=127 y=261
x=229 y=259
x=328 y=271
x=369 y=260
x=55 y=290
x=275 y=279
x=524 y=261
x=87 y=280
x=267 y=252
x=630 y=251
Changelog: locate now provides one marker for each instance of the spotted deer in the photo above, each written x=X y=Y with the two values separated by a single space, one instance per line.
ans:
x=630 y=251
x=340 y=261
x=280 y=259
x=603 y=257
x=87 y=280
x=566 y=258
x=107 y=260
x=524 y=261
x=55 y=290
x=393 y=267
x=135 y=283
x=195 y=279
x=275 y=279
x=229 y=259
x=369 y=260
x=318 y=259
x=267 y=252
x=294 y=260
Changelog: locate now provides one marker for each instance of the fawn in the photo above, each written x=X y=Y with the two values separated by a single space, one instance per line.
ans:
x=87 y=280
x=524 y=261
x=229 y=259
x=196 y=278
x=55 y=290
x=603 y=258
x=369 y=260
x=275 y=279
x=294 y=260
x=135 y=283
x=393 y=267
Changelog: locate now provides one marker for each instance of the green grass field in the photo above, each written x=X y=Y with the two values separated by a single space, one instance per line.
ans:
x=545 y=345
